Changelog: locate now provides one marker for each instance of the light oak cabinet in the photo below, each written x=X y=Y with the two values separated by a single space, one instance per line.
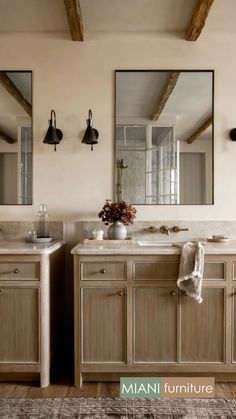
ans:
x=134 y=319
x=154 y=324
x=202 y=327
x=19 y=331
x=104 y=324
x=234 y=325
x=30 y=314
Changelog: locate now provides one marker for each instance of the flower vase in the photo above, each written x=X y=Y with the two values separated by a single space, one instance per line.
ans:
x=117 y=231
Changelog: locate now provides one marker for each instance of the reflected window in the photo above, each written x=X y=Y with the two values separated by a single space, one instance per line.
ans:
x=164 y=137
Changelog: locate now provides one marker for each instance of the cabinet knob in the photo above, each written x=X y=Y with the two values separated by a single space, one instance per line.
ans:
x=173 y=292
x=1 y=292
x=121 y=293
x=102 y=271
x=16 y=271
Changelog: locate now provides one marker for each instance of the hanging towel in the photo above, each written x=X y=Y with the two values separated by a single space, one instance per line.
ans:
x=191 y=270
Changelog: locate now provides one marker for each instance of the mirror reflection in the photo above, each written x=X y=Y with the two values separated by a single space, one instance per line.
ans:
x=15 y=137
x=164 y=137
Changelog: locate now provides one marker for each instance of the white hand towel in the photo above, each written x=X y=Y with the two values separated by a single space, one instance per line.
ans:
x=191 y=270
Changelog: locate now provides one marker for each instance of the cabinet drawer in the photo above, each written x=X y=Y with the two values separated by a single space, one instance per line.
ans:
x=156 y=270
x=214 y=270
x=19 y=270
x=170 y=270
x=103 y=271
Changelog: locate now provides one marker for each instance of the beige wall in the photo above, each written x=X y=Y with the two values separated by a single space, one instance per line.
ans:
x=72 y=77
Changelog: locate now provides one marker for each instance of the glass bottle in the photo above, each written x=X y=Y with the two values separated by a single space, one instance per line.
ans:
x=43 y=221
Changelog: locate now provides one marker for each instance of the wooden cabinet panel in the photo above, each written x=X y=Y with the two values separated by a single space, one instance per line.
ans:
x=104 y=324
x=234 y=326
x=214 y=270
x=202 y=327
x=155 y=324
x=170 y=270
x=19 y=270
x=234 y=270
x=156 y=270
x=103 y=271
x=19 y=326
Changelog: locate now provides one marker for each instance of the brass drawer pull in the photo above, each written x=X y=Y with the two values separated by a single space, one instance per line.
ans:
x=1 y=292
x=173 y=292
x=102 y=271
x=16 y=271
x=121 y=293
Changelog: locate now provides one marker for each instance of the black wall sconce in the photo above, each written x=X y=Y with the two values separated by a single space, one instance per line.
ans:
x=53 y=135
x=91 y=134
x=232 y=134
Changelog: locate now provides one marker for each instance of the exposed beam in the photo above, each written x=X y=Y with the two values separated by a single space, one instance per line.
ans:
x=75 y=20
x=198 y=19
x=200 y=130
x=6 y=138
x=165 y=94
x=8 y=84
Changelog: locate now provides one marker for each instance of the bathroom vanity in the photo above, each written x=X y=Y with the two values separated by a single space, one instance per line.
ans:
x=130 y=317
x=31 y=284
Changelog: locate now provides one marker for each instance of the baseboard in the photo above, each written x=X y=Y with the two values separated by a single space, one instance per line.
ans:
x=219 y=377
x=13 y=376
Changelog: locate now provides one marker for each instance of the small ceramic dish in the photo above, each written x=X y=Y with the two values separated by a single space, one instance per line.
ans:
x=38 y=239
x=217 y=240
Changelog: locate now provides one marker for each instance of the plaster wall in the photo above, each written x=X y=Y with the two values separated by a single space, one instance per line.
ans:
x=72 y=77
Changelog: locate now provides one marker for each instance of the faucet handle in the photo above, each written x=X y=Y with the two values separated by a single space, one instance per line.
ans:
x=177 y=229
x=151 y=229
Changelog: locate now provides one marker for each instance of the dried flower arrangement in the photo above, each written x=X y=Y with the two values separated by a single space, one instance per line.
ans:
x=117 y=211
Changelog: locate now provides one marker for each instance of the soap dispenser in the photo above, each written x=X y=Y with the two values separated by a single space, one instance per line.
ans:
x=43 y=221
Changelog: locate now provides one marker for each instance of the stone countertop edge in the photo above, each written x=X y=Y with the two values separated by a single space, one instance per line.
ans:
x=228 y=248
x=23 y=248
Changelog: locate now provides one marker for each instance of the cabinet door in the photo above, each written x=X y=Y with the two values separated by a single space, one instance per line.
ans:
x=103 y=324
x=19 y=325
x=234 y=325
x=202 y=327
x=155 y=324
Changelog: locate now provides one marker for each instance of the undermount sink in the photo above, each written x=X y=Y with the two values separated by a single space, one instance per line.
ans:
x=154 y=243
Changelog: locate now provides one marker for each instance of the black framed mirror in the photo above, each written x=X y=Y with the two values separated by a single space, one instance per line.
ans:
x=164 y=142
x=15 y=137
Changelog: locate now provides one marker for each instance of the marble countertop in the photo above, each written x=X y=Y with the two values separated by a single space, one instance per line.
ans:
x=228 y=248
x=23 y=248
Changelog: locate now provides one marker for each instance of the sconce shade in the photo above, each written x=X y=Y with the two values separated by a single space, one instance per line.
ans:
x=91 y=134
x=53 y=135
x=232 y=134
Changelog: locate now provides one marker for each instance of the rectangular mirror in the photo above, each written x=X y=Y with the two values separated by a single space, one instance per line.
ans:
x=164 y=137
x=15 y=137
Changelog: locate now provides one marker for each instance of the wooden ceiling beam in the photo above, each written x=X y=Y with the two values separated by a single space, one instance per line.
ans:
x=7 y=138
x=75 y=20
x=165 y=94
x=196 y=134
x=8 y=84
x=198 y=19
